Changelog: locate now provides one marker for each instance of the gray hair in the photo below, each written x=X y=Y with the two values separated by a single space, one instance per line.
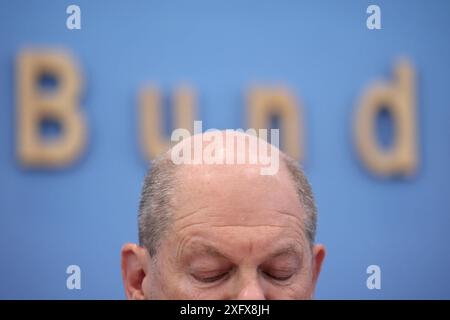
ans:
x=158 y=189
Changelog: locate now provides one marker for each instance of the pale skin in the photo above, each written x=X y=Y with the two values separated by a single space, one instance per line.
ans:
x=236 y=234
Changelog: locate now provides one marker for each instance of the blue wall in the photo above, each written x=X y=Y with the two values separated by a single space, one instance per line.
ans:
x=82 y=215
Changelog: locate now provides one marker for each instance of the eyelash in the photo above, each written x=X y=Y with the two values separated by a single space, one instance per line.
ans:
x=210 y=279
x=223 y=275
x=278 y=278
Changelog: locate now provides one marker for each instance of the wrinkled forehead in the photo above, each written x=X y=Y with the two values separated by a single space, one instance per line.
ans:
x=278 y=248
x=226 y=195
x=236 y=185
x=236 y=195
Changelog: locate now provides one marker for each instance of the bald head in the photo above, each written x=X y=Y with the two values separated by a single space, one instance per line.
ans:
x=224 y=215
x=203 y=164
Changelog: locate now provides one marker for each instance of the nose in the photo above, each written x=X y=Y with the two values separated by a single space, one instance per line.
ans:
x=251 y=290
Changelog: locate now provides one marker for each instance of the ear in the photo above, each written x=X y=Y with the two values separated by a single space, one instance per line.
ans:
x=135 y=262
x=318 y=257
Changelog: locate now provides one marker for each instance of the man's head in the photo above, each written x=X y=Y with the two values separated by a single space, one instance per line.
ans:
x=224 y=231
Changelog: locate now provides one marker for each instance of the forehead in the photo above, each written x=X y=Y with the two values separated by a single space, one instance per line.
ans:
x=198 y=249
x=236 y=208
x=237 y=189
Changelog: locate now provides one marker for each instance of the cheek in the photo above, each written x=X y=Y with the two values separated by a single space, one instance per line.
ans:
x=152 y=287
x=292 y=292
x=172 y=284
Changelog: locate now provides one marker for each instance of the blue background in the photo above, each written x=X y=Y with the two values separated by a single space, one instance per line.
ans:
x=322 y=50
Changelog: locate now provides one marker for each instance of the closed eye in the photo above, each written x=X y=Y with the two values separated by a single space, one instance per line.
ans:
x=209 y=278
x=278 y=277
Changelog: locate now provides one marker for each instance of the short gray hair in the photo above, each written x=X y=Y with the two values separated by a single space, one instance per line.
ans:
x=159 y=186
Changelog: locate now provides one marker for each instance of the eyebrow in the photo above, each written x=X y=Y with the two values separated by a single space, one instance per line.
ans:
x=199 y=249
x=212 y=251
x=287 y=250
